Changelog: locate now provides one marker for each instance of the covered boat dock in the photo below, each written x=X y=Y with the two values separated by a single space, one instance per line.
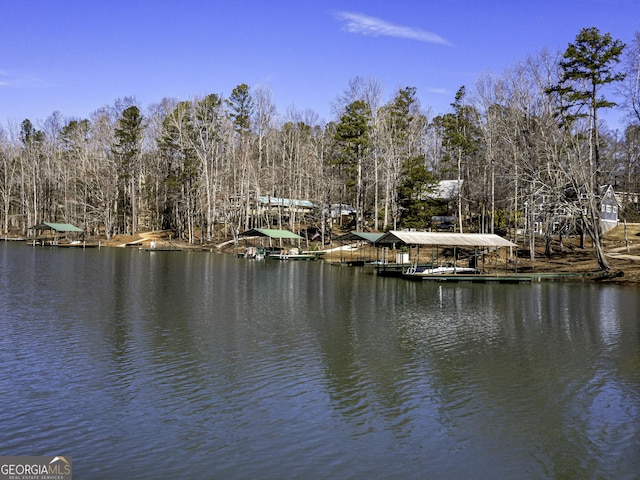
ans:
x=271 y=233
x=271 y=251
x=443 y=259
x=354 y=254
x=56 y=231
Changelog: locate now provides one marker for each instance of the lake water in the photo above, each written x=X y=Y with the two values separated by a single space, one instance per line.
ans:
x=175 y=365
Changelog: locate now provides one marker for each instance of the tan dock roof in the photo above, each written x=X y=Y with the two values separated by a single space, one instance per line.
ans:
x=443 y=239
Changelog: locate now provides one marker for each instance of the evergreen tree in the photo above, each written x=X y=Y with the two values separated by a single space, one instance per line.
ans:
x=127 y=146
x=31 y=176
x=241 y=107
x=399 y=128
x=461 y=138
x=417 y=182
x=30 y=135
x=352 y=134
x=177 y=147
x=587 y=66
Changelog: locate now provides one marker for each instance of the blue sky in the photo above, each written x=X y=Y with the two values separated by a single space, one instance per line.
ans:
x=76 y=56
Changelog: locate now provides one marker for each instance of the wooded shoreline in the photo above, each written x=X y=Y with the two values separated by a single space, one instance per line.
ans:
x=570 y=259
x=526 y=150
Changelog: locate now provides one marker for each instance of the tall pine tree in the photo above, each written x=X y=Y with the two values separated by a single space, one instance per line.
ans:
x=588 y=65
x=127 y=147
x=352 y=134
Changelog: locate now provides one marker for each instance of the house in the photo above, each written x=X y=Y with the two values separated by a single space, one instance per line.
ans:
x=273 y=207
x=609 y=208
x=340 y=213
x=445 y=194
x=288 y=205
x=545 y=213
x=446 y=190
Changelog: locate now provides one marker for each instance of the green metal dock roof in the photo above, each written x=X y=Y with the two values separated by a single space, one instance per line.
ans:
x=58 y=227
x=370 y=237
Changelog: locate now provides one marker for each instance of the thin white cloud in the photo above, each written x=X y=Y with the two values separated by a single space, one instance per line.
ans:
x=5 y=79
x=439 y=91
x=19 y=80
x=366 y=25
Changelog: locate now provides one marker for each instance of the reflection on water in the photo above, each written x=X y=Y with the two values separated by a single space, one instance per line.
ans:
x=196 y=365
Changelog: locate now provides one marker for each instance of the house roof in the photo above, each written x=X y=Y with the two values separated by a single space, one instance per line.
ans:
x=444 y=239
x=370 y=237
x=446 y=189
x=58 y=227
x=337 y=209
x=270 y=232
x=286 y=202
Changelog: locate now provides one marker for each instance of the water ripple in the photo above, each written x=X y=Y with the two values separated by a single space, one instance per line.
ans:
x=207 y=367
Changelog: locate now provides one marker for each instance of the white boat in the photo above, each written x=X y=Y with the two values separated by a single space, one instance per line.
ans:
x=296 y=254
x=257 y=253
x=440 y=270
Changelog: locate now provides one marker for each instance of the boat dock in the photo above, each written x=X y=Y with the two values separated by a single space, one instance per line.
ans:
x=470 y=278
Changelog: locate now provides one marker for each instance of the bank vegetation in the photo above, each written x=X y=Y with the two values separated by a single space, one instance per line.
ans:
x=202 y=167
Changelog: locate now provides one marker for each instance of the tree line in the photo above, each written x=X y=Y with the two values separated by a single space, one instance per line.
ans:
x=199 y=166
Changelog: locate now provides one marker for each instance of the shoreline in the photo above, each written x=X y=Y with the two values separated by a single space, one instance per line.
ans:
x=569 y=261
